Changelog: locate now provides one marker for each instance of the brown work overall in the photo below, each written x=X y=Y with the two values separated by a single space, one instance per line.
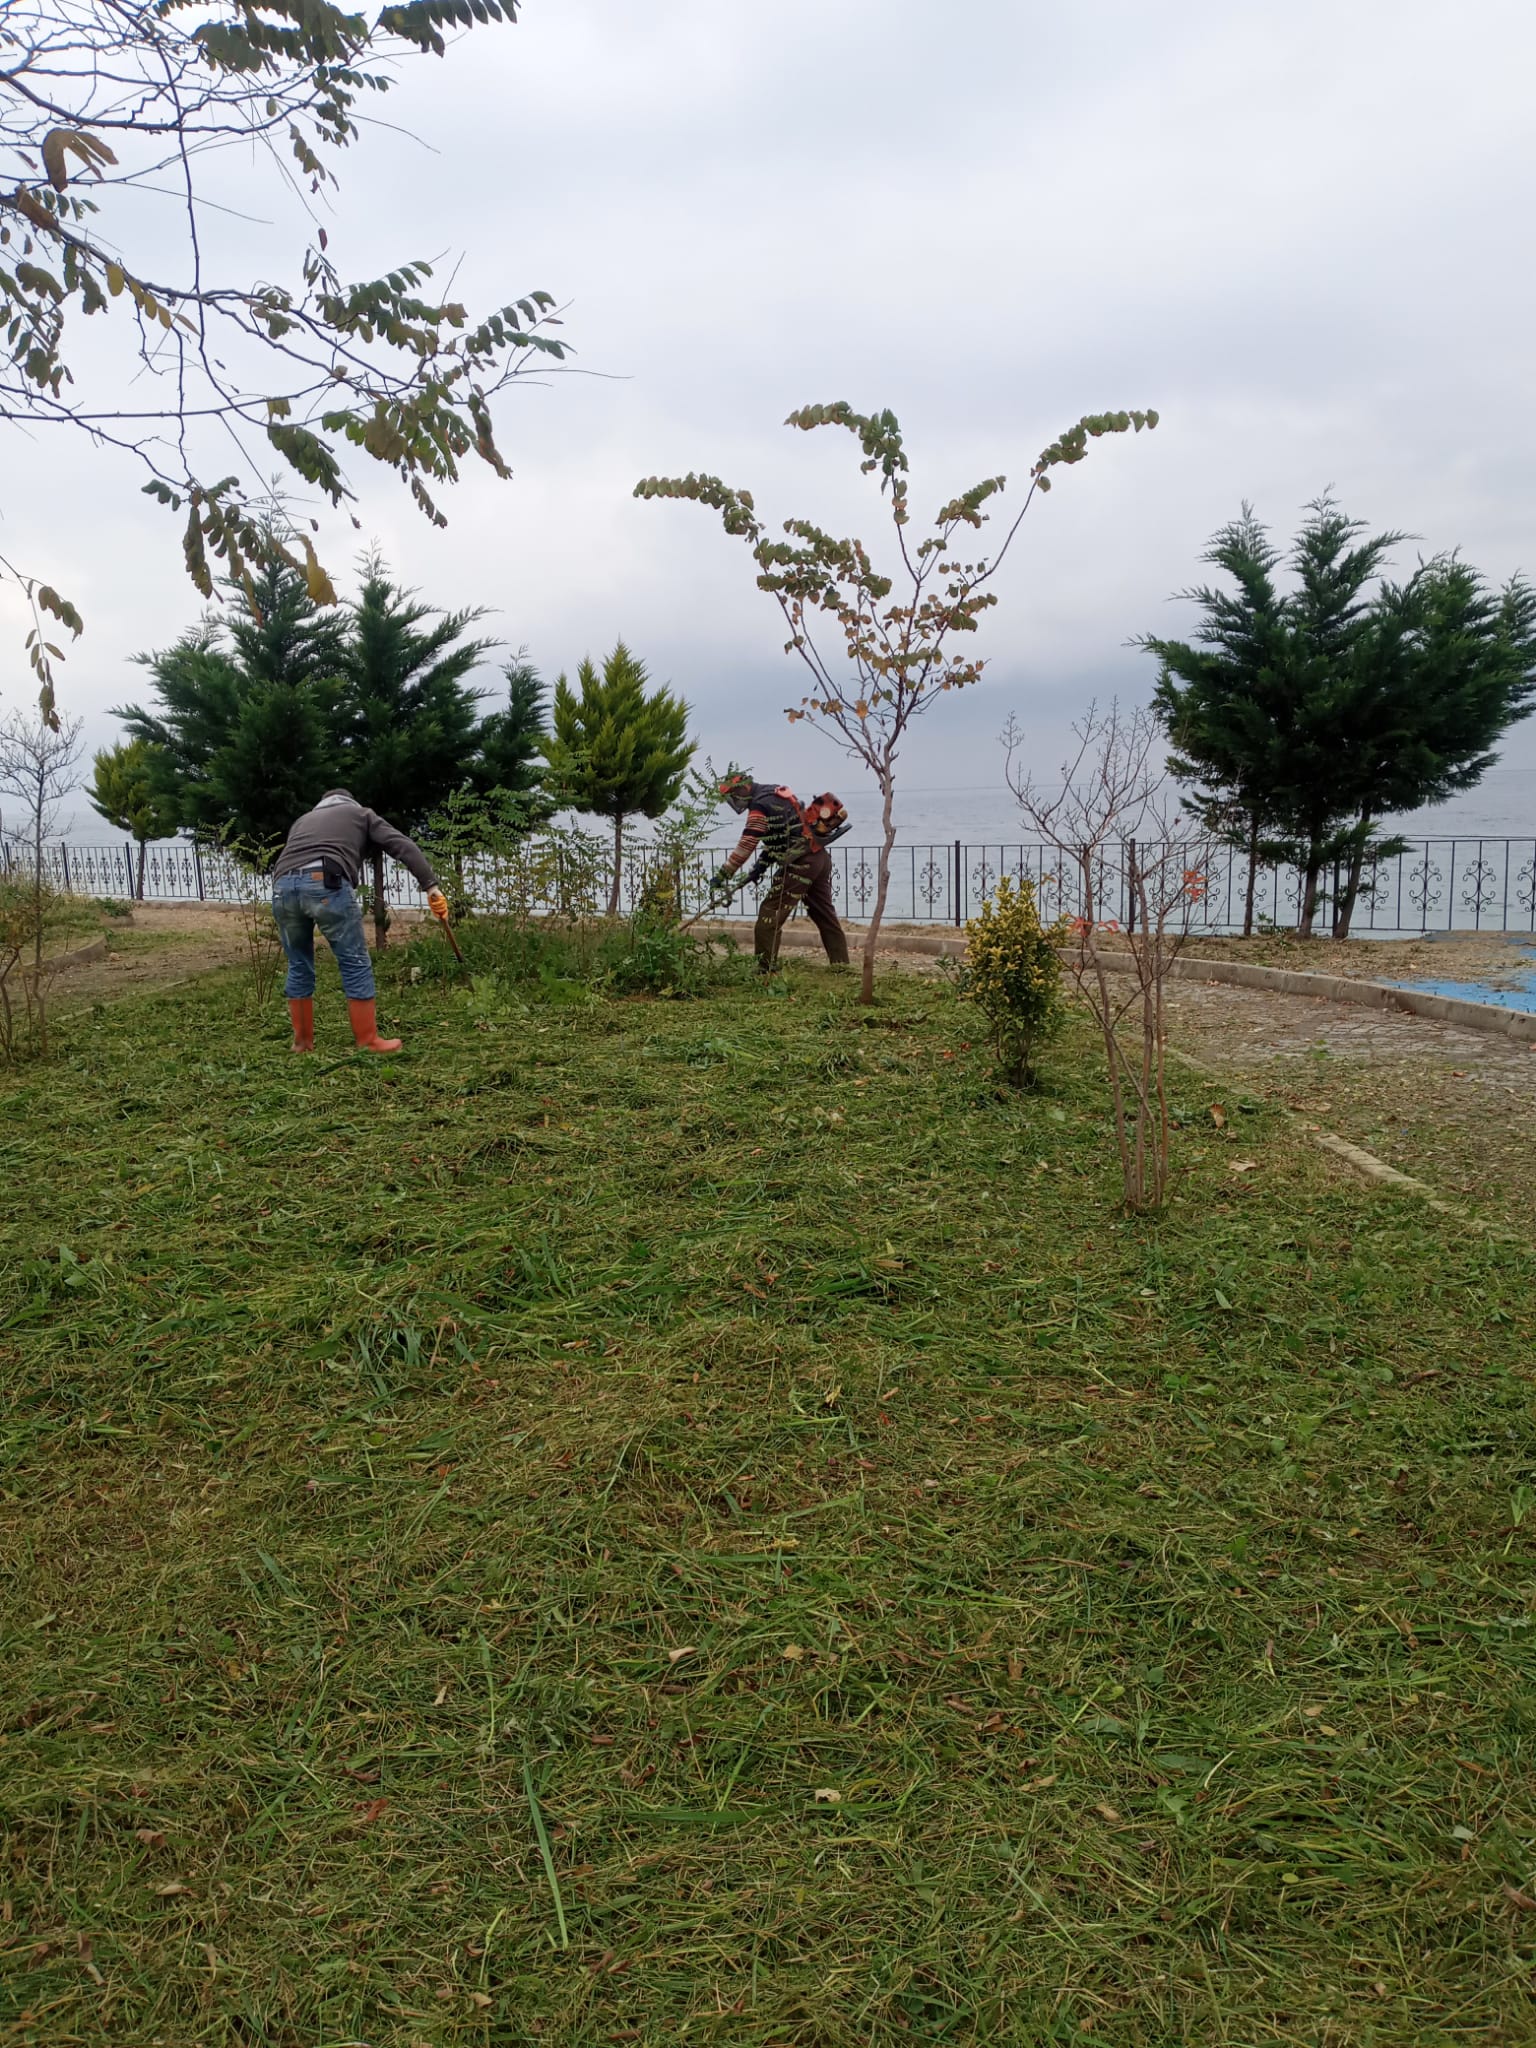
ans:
x=806 y=879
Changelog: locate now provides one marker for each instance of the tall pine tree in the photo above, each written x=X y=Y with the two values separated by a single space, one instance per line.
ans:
x=1217 y=693
x=249 y=726
x=1313 y=713
x=617 y=750
x=411 y=722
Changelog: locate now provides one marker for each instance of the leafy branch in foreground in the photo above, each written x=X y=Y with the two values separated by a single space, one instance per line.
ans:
x=105 y=98
x=888 y=657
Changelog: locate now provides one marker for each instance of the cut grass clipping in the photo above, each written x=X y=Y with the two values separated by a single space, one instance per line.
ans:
x=650 y=1520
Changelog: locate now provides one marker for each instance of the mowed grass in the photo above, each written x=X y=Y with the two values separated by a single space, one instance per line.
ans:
x=656 y=1521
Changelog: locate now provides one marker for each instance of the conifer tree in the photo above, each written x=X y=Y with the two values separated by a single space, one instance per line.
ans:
x=127 y=793
x=248 y=730
x=1306 y=716
x=617 y=750
x=410 y=723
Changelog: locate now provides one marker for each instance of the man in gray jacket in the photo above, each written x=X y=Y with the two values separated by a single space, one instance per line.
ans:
x=314 y=888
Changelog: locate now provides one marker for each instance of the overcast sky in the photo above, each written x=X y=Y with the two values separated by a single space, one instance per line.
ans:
x=1300 y=231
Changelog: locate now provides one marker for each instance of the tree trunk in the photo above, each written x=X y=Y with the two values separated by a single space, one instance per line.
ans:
x=380 y=907
x=138 y=891
x=37 y=880
x=882 y=888
x=1344 y=909
x=1313 y=869
x=618 y=864
x=1253 y=871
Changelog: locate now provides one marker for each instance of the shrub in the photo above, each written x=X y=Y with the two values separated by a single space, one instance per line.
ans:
x=658 y=957
x=1012 y=973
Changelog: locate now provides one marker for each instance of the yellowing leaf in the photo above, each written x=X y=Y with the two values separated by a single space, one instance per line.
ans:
x=321 y=589
x=115 y=279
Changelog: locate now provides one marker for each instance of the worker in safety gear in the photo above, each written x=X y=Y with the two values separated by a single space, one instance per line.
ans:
x=314 y=888
x=775 y=832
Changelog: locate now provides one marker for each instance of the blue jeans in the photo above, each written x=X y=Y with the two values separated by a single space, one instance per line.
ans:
x=301 y=903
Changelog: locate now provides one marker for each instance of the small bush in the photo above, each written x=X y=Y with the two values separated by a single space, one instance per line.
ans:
x=1012 y=973
x=658 y=958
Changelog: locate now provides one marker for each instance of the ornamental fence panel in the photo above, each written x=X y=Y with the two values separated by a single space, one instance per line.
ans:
x=1446 y=884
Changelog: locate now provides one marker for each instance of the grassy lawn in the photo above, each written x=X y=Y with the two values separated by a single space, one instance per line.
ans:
x=657 y=1520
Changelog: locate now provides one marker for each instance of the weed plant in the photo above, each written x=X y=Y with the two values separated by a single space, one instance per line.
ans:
x=636 y=1522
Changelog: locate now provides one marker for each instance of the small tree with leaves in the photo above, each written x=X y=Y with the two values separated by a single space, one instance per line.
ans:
x=887 y=656
x=617 y=749
x=102 y=101
x=126 y=790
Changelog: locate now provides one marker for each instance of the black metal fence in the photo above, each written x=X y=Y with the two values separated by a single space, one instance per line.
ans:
x=1452 y=884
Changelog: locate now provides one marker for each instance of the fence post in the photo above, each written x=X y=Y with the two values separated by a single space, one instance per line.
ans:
x=959 y=873
x=197 y=869
x=1130 y=885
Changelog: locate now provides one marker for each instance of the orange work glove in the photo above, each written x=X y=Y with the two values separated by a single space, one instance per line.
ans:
x=437 y=903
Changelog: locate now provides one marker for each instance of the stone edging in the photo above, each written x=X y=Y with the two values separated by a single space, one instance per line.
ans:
x=91 y=950
x=1339 y=988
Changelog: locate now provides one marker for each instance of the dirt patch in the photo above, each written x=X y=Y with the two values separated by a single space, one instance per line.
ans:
x=1453 y=1107
x=149 y=955
x=1495 y=957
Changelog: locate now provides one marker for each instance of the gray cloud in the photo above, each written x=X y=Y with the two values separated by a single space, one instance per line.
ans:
x=1299 y=231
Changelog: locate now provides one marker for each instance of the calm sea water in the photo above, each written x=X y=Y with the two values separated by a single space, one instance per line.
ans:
x=1502 y=807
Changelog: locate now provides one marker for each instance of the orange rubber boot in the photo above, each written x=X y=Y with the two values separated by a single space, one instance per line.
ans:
x=302 y=1010
x=365 y=1028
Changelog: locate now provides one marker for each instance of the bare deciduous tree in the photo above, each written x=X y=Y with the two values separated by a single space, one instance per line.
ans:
x=38 y=768
x=1141 y=873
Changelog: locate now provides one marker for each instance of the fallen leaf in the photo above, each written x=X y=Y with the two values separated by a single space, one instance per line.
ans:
x=1242 y=1166
x=481 y=1998
x=1521 y=1901
x=794 y=1652
x=1311 y=1713
x=1042 y=1784
x=367 y=1815
x=1218 y=1115
x=152 y=1838
x=169 y=1891
x=677 y=1656
x=1108 y=1812
x=1015 y=1670
x=826 y=1795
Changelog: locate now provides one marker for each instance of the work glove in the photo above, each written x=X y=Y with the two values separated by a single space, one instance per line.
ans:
x=721 y=883
x=437 y=903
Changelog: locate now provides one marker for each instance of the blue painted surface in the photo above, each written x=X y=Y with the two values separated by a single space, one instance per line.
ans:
x=1522 y=996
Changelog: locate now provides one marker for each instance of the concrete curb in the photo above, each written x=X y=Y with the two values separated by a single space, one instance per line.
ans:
x=1519 y=1025
x=92 y=950
x=1376 y=995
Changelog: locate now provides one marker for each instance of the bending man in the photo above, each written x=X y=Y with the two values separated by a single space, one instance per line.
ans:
x=775 y=832
x=313 y=888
